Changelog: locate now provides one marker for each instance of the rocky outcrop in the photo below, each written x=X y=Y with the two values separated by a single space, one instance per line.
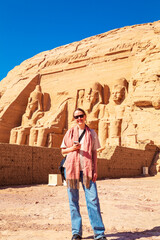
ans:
x=114 y=76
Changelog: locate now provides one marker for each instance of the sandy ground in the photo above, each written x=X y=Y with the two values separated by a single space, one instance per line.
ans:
x=130 y=209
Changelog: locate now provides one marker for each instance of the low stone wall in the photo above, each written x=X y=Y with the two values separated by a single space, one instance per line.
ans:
x=25 y=165
x=125 y=162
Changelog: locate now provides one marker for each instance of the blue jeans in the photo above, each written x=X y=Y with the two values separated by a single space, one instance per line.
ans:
x=93 y=208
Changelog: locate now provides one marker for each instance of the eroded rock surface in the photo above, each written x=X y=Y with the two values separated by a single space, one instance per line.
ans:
x=114 y=76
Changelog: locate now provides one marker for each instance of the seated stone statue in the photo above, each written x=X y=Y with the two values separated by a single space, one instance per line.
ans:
x=110 y=123
x=33 y=112
x=50 y=123
x=93 y=101
x=92 y=104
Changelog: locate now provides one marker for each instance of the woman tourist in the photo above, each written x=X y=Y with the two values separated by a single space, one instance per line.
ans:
x=80 y=144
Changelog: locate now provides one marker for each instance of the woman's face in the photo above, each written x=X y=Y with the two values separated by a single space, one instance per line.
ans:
x=79 y=117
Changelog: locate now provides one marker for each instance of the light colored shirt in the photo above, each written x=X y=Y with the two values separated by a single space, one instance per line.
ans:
x=95 y=145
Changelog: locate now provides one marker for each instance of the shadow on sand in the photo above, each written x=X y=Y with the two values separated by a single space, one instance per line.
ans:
x=155 y=232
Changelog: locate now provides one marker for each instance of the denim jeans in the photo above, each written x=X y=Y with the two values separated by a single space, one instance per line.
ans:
x=93 y=208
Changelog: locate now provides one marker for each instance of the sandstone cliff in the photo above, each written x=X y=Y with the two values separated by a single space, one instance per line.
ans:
x=89 y=74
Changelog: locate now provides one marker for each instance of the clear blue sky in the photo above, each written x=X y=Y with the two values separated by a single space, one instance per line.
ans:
x=28 y=27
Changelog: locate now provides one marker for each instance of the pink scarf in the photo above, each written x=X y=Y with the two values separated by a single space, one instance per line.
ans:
x=73 y=158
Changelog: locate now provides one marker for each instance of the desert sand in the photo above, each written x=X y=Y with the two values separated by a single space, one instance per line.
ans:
x=130 y=209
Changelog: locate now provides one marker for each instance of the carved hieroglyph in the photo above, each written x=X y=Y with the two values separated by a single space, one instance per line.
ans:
x=114 y=77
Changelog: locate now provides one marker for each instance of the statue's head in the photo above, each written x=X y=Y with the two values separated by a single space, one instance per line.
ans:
x=93 y=96
x=118 y=94
x=119 y=90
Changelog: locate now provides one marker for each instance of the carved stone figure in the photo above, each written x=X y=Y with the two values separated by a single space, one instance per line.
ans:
x=34 y=111
x=110 y=123
x=115 y=112
x=92 y=104
x=34 y=102
x=80 y=97
x=50 y=123
x=121 y=116
x=103 y=126
x=129 y=127
x=92 y=101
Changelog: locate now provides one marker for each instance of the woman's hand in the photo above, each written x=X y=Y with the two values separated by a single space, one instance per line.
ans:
x=76 y=146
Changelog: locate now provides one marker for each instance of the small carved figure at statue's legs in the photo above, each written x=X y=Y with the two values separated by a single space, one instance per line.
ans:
x=103 y=132
x=42 y=137
x=13 y=136
x=33 y=136
x=22 y=135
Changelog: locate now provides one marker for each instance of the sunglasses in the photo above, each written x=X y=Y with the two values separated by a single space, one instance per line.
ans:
x=79 y=116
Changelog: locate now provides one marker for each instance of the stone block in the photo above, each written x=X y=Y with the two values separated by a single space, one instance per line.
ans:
x=54 y=180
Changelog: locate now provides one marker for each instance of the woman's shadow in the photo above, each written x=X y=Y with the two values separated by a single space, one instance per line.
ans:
x=155 y=232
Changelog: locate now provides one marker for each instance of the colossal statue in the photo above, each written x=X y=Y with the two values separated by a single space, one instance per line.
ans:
x=38 y=125
x=51 y=123
x=115 y=115
x=93 y=99
x=116 y=121
x=34 y=102
x=111 y=116
x=34 y=111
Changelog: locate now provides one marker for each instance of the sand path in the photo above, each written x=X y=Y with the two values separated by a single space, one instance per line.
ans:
x=130 y=209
